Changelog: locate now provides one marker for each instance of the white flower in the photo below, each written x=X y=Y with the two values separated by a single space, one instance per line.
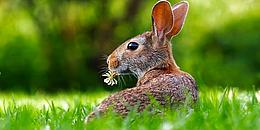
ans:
x=110 y=78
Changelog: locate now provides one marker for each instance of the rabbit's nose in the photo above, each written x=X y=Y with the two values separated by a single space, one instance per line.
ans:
x=108 y=60
x=112 y=62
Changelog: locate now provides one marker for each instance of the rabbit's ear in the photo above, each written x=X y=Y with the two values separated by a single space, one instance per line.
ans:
x=180 y=12
x=162 y=19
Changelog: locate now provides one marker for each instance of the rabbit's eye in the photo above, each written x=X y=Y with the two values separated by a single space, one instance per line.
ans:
x=132 y=46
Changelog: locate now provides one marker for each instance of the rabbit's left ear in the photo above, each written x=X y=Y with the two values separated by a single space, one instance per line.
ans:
x=162 y=19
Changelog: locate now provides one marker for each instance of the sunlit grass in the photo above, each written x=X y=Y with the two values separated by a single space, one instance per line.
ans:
x=216 y=109
x=62 y=100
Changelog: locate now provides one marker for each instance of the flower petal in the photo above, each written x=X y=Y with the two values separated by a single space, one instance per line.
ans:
x=109 y=83
x=106 y=74
x=106 y=80
x=115 y=81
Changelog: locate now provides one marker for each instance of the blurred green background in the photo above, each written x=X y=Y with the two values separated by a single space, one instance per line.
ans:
x=51 y=45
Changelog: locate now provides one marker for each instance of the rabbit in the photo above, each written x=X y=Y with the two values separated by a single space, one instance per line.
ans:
x=149 y=57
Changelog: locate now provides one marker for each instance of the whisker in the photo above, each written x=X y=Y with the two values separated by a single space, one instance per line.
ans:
x=135 y=75
x=129 y=76
x=125 y=74
x=122 y=77
x=104 y=57
x=119 y=81
x=103 y=70
x=103 y=65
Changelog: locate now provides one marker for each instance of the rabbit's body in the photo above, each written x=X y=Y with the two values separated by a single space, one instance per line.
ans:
x=166 y=88
x=149 y=56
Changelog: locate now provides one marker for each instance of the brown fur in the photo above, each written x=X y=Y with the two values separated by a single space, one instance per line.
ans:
x=153 y=63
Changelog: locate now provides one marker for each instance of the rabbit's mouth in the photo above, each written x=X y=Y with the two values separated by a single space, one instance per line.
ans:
x=121 y=71
x=124 y=72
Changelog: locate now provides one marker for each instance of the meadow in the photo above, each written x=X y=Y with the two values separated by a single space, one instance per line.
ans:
x=228 y=108
x=51 y=65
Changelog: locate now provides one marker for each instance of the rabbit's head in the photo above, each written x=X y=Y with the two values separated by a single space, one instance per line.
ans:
x=151 y=49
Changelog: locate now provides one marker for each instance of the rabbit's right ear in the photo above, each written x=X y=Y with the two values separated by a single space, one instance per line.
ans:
x=162 y=19
x=180 y=11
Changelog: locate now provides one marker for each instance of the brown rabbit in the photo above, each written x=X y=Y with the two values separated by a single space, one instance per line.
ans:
x=149 y=56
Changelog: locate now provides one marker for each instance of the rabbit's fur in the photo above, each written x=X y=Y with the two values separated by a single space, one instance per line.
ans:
x=153 y=63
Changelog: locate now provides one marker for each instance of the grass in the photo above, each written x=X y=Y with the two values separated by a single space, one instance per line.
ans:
x=216 y=109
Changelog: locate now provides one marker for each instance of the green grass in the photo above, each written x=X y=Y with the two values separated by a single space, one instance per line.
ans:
x=216 y=109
